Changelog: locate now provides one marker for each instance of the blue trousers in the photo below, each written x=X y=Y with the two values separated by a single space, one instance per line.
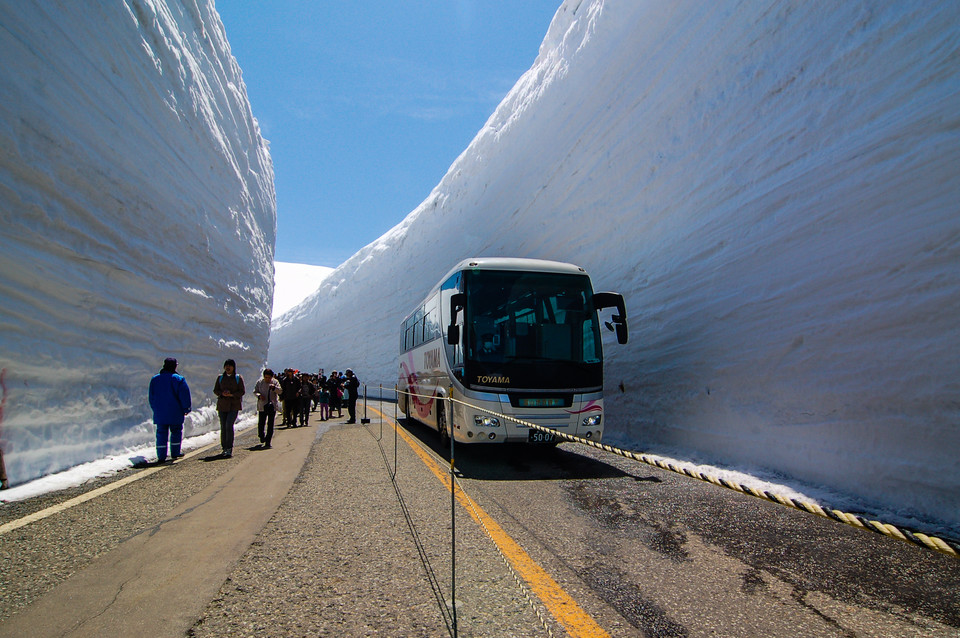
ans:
x=172 y=432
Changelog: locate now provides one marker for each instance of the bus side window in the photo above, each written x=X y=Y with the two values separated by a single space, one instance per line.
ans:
x=431 y=319
x=449 y=288
x=409 y=335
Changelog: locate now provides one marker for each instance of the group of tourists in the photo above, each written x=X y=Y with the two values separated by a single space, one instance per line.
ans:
x=294 y=395
x=303 y=393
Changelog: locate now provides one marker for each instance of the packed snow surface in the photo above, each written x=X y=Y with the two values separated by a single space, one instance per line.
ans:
x=138 y=222
x=293 y=283
x=774 y=187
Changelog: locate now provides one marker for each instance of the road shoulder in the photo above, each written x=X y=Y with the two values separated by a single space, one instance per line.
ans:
x=159 y=580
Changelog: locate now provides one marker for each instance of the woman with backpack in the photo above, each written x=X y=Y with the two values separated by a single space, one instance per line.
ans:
x=229 y=390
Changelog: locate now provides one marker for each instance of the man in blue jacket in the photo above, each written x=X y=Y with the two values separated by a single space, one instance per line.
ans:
x=170 y=402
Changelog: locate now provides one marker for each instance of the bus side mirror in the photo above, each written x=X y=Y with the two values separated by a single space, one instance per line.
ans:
x=613 y=300
x=453 y=330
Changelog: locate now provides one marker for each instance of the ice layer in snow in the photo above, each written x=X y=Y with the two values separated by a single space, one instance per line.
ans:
x=138 y=222
x=774 y=187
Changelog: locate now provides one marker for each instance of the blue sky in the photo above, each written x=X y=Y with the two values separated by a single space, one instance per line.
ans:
x=367 y=103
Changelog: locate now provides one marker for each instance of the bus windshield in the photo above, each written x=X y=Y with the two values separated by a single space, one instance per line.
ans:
x=531 y=330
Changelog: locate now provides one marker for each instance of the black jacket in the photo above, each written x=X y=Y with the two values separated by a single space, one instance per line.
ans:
x=291 y=388
x=352 y=384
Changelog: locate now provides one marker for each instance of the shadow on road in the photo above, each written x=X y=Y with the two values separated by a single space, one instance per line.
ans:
x=518 y=461
x=139 y=462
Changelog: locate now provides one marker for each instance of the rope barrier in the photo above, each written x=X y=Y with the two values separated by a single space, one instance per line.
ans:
x=453 y=527
x=524 y=590
x=536 y=608
x=928 y=541
x=449 y=618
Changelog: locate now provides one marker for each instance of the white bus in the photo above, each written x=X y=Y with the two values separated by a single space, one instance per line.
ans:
x=517 y=337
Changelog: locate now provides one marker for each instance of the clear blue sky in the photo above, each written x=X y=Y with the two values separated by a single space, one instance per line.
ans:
x=366 y=103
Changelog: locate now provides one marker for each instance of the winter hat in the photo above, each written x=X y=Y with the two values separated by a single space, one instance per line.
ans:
x=169 y=365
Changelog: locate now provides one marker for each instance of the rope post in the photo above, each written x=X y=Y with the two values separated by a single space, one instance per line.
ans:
x=453 y=515
x=364 y=420
x=396 y=426
x=4 y=483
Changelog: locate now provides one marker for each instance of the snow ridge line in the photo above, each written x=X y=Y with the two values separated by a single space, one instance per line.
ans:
x=950 y=548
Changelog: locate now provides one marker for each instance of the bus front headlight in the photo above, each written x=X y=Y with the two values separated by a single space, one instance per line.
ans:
x=592 y=421
x=486 y=421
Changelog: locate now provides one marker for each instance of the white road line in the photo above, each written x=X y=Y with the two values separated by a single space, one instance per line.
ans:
x=83 y=498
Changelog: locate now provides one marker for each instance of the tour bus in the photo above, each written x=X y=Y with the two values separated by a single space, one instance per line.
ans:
x=507 y=336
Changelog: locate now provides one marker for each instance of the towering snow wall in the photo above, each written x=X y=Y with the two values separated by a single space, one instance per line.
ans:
x=774 y=186
x=138 y=221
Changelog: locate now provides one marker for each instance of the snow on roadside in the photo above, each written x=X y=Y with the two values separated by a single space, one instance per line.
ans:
x=774 y=190
x=138 y=221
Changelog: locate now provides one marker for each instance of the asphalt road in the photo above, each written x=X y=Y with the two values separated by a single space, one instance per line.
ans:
x=653 y=553
x=345 y=530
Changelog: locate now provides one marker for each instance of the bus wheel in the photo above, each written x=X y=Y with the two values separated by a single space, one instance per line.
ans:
x=442 y=427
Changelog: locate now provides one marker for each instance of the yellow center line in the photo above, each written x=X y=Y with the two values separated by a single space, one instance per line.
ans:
x=558 y=602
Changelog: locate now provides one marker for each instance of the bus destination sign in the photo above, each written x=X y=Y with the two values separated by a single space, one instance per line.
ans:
x=541 y=402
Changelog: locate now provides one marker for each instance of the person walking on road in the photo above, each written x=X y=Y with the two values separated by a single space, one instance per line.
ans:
x=291 y=397
x=267 y=392
x=169 y=397
x=229 y=390
x=324 y=393
x=315 y=380
x=336 y=393
x=306 y=396
x=351 y=391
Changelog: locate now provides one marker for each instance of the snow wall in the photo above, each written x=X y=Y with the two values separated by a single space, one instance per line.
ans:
x=138 y=222
x=775 y=188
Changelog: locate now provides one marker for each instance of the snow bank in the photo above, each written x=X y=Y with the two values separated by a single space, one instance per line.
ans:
x=775 y=187
x=138 y=221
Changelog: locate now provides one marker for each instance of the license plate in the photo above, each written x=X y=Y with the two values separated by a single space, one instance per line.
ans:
x=539 y=436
